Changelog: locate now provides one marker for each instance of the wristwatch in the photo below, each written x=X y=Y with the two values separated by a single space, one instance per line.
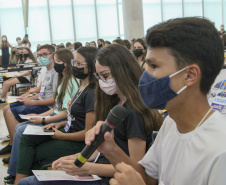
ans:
x=43 y=121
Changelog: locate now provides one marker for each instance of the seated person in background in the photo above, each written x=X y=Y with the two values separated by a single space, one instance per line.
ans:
x=13 y=57
x=93 y=44
x=118 y=75
x=70 y=137
x=66 y=80
x=184 y=57
x=106 y=43
x=23 y=77
x=77 y=45
x=140 y=51
x=118 y=41
x=43 y=102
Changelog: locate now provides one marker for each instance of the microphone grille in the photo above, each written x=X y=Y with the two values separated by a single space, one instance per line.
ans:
x=116 y=115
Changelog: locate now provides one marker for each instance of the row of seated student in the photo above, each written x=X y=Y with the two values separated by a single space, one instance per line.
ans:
x=118 y=74
x=111 y=88
x=18 y=55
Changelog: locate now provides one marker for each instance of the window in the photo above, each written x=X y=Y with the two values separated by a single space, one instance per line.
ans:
x=171 y=9
x=61 y=21
x=151 y=13
x=107 y=19
x=85 y=21
x=121 y=19
x=192 y=8
x=11 y=20
x=213 y=11
x=38 y=23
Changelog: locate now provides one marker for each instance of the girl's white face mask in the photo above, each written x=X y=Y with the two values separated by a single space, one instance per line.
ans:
x=109 y=86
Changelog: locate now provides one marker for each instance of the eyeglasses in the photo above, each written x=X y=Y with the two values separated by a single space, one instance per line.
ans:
x=103 y=76
x=77 y=64
x=44 y=55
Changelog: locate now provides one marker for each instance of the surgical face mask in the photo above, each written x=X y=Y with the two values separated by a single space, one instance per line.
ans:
x=71 y=50
x=59 y=67
x=19 y=41
x=138 y=52
x=157 y=92
x=4 y=39
x=222 y=28
x=109 y=86
x=45 y=61
x=79 y=73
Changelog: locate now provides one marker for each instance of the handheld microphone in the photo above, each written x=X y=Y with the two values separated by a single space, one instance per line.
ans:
x=115 y=116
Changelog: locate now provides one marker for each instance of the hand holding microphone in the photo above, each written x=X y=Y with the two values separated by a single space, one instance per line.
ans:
x=115 y=117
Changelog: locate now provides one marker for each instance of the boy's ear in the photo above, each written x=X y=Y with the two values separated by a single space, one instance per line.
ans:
x=193 y=75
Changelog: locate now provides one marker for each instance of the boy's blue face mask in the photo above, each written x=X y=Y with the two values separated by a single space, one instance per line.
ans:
x=45 y=61
x=157 y=92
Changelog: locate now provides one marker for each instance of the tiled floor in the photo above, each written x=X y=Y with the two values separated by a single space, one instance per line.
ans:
x=3 y=132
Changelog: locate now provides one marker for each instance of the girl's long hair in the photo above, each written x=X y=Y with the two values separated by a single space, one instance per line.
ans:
x=126 y=72
x=65 y=79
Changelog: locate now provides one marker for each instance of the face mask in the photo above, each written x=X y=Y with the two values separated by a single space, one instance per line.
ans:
x=19 y=41
x=13 y=52
x=4 y=39
x=71 y=50
x=157 y=92
x=26 y=55
x=138 y=52
x=99 y=45
x=45 y=61
x=79 y=73
x=222 y=28
x=109 y=86
x=59 y=67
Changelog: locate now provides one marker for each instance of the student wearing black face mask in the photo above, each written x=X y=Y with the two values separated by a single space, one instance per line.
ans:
x=100 y=43
x=140 y=50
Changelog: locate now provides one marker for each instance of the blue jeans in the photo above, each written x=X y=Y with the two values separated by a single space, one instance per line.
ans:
x=16 y=143
x=19 y=108
x=32 y=180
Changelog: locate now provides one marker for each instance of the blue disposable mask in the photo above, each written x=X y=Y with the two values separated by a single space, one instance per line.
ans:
x=45 y=61
x=157 y=92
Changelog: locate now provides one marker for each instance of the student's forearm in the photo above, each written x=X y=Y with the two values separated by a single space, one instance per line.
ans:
x=106 y=170
x=45 y=102
x=76 y=136
x=62 y=115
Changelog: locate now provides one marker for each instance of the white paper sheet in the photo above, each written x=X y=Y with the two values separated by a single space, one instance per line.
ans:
x=36 y=130
x=52 y=175
x=29 y=117
x=11 y=74
x=12 y=99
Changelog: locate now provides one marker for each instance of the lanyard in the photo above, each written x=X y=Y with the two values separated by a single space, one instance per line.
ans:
x=74 y=99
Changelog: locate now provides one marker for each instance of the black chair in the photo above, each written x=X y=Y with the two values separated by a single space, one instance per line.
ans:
x=34 y=74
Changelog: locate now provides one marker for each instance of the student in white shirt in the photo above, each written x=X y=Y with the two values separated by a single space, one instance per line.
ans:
x=184 y=57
